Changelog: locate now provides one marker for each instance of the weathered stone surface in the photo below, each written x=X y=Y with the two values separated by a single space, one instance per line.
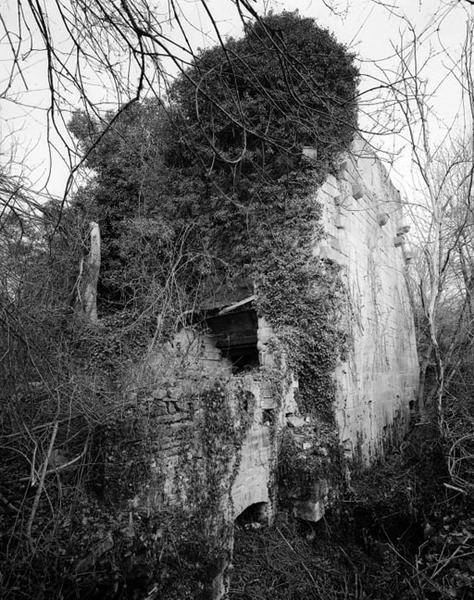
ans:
x=374 y=385
x=309 y=510
x=294 y=421
x=377 y=382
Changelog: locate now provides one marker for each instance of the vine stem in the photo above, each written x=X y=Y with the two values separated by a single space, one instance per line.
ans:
x=39 y=491
x=296 y=553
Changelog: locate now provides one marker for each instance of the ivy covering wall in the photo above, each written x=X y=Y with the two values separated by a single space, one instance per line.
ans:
x=211 y=189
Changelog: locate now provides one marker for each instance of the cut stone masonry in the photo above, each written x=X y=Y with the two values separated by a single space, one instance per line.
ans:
x=366 y=235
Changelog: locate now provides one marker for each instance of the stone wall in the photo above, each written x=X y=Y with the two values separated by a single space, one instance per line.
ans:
x=366 y=235
x=255 y=480
x=199 y=363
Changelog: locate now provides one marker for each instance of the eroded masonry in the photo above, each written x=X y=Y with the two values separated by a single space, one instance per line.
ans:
x=228 y=340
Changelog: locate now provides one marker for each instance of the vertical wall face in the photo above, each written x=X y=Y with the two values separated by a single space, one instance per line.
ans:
x=257 y=465
x=366 y=236
x=362 y=217
x=232 y=353
x=201 y=362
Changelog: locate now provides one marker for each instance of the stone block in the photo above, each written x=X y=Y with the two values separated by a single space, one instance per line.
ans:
x=310 y=153
x=295 y=422
x=331 y=182
x=309 y=510
x=399 y=241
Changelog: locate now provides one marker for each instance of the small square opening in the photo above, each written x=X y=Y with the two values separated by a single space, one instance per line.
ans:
x=235 y=335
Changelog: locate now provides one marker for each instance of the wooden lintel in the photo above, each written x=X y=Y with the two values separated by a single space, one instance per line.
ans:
x=236 y=305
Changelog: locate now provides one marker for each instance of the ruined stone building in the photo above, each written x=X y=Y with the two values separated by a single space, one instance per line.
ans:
x=365 y=233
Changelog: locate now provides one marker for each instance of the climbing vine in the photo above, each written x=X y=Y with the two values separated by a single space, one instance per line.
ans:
x=255 y=218
x=227 y=416
x=208 y=463
x=301 y=296
x=217 y=196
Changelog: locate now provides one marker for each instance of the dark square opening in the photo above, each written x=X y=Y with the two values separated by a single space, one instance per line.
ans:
x=235 y=334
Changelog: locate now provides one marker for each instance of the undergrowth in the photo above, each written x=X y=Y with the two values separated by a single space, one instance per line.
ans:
x=181 y=216
x=402 y=531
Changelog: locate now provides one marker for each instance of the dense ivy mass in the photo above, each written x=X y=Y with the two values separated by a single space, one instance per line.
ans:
x=200 y=193
x=209 y=181
x=214 y=188
x=251 y=105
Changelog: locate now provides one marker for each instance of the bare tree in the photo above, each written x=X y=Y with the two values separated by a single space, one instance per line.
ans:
x=440 y=206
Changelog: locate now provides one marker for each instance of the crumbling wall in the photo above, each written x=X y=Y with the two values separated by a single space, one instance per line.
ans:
x=366 y=236
x=233 y=438
x=274 y=392
x=199 y=363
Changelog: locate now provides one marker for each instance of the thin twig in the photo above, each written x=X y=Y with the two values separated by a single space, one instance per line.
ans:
x=41 y=485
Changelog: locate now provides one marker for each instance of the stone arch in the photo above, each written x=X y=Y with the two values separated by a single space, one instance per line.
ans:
x=258 y=512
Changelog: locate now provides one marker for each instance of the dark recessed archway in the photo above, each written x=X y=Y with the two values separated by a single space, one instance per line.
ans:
x=255 y=513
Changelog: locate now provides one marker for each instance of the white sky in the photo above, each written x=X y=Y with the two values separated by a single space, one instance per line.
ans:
x=365 y=26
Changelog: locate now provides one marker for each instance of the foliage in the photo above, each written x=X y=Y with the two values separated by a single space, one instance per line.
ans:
x=172 y=230
x=400 y=531
x=304 y=469
x=302 y=298
x=96 y=553
x=174 y=191
x=280 y=563
x=409 y=505
x=256 y=218
x=227 y=416
x=141 y=206
x=307 y=561
x=255 y=106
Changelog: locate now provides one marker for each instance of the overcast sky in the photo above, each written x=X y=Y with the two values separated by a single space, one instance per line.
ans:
x=367 y=27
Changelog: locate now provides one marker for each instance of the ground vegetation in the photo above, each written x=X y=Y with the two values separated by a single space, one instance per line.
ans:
x=207 y=188
x=185 y=205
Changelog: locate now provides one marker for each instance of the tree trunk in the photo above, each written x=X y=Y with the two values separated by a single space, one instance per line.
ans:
x=90 y=276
